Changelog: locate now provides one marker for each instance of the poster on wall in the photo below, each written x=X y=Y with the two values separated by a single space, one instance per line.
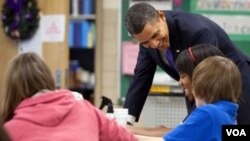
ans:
x=130 y=52
x=157 y=4
x=53 y=28
x=221 y=5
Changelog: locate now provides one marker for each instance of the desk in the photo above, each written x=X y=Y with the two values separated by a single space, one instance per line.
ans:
x=147 y=138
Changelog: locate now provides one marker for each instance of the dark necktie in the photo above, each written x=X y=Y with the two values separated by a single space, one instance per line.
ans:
x=170 y=59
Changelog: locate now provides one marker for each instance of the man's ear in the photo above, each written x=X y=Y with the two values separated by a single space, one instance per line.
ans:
x=161 y=15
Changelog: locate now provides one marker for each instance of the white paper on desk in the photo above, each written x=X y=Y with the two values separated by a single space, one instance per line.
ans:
x=148 y=138
x=33 y=44
x=53 y=28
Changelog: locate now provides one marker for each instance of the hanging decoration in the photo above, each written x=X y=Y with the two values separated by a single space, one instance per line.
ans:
x=177 y=3
x=20 y=18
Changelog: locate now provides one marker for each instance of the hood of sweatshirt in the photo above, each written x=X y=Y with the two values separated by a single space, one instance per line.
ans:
x=48 y=109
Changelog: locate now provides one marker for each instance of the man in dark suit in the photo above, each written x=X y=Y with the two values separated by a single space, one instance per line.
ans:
x=162 y=36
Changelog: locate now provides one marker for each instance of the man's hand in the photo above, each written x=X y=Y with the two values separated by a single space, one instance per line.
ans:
x=157 y=131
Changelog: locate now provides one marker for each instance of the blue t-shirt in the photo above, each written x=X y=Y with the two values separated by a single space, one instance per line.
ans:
x=205 y=123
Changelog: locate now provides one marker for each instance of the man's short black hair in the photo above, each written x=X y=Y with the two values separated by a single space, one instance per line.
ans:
x=138 y=15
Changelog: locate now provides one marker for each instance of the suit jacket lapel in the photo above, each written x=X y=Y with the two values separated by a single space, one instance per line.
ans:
x=157 y=57
x=175 y=41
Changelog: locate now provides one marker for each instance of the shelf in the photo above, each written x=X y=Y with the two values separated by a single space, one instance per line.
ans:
x=83 y=17
x=167 y=94
x=81 y=48
x=82 y=35
x=85 y=56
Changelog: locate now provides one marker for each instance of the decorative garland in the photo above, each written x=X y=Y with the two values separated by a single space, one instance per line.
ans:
x=20 y=18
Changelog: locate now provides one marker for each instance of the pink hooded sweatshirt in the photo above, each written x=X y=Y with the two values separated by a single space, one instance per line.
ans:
x=59 y=116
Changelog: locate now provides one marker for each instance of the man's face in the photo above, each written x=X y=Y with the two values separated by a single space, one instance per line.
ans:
x=154 y=35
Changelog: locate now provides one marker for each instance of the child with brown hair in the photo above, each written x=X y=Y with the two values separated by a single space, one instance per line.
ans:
x=32 y=108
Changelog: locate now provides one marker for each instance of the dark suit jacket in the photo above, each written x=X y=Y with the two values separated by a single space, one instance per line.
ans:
x=185 y=30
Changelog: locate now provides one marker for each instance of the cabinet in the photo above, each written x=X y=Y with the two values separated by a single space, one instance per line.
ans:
x=82 y=44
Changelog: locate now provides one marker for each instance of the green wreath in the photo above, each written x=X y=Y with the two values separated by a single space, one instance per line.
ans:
x=20 y=18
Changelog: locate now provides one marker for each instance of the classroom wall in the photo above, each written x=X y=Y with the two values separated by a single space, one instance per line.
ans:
x=7 y=49
x=54 y=54
x=107 y=59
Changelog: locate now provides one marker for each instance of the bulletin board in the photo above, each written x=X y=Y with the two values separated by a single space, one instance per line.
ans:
x=232 y=15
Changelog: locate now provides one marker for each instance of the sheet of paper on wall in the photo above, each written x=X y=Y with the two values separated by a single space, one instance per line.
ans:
x=157 y=4
x=241 y=27
x=53 y=28
x=34 y=44
x=129 y=57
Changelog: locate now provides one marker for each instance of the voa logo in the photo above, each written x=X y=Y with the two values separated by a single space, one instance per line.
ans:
x=236 y=132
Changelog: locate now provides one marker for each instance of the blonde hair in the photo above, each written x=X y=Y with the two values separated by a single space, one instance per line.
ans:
x=217 y=78
x=26 y=75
